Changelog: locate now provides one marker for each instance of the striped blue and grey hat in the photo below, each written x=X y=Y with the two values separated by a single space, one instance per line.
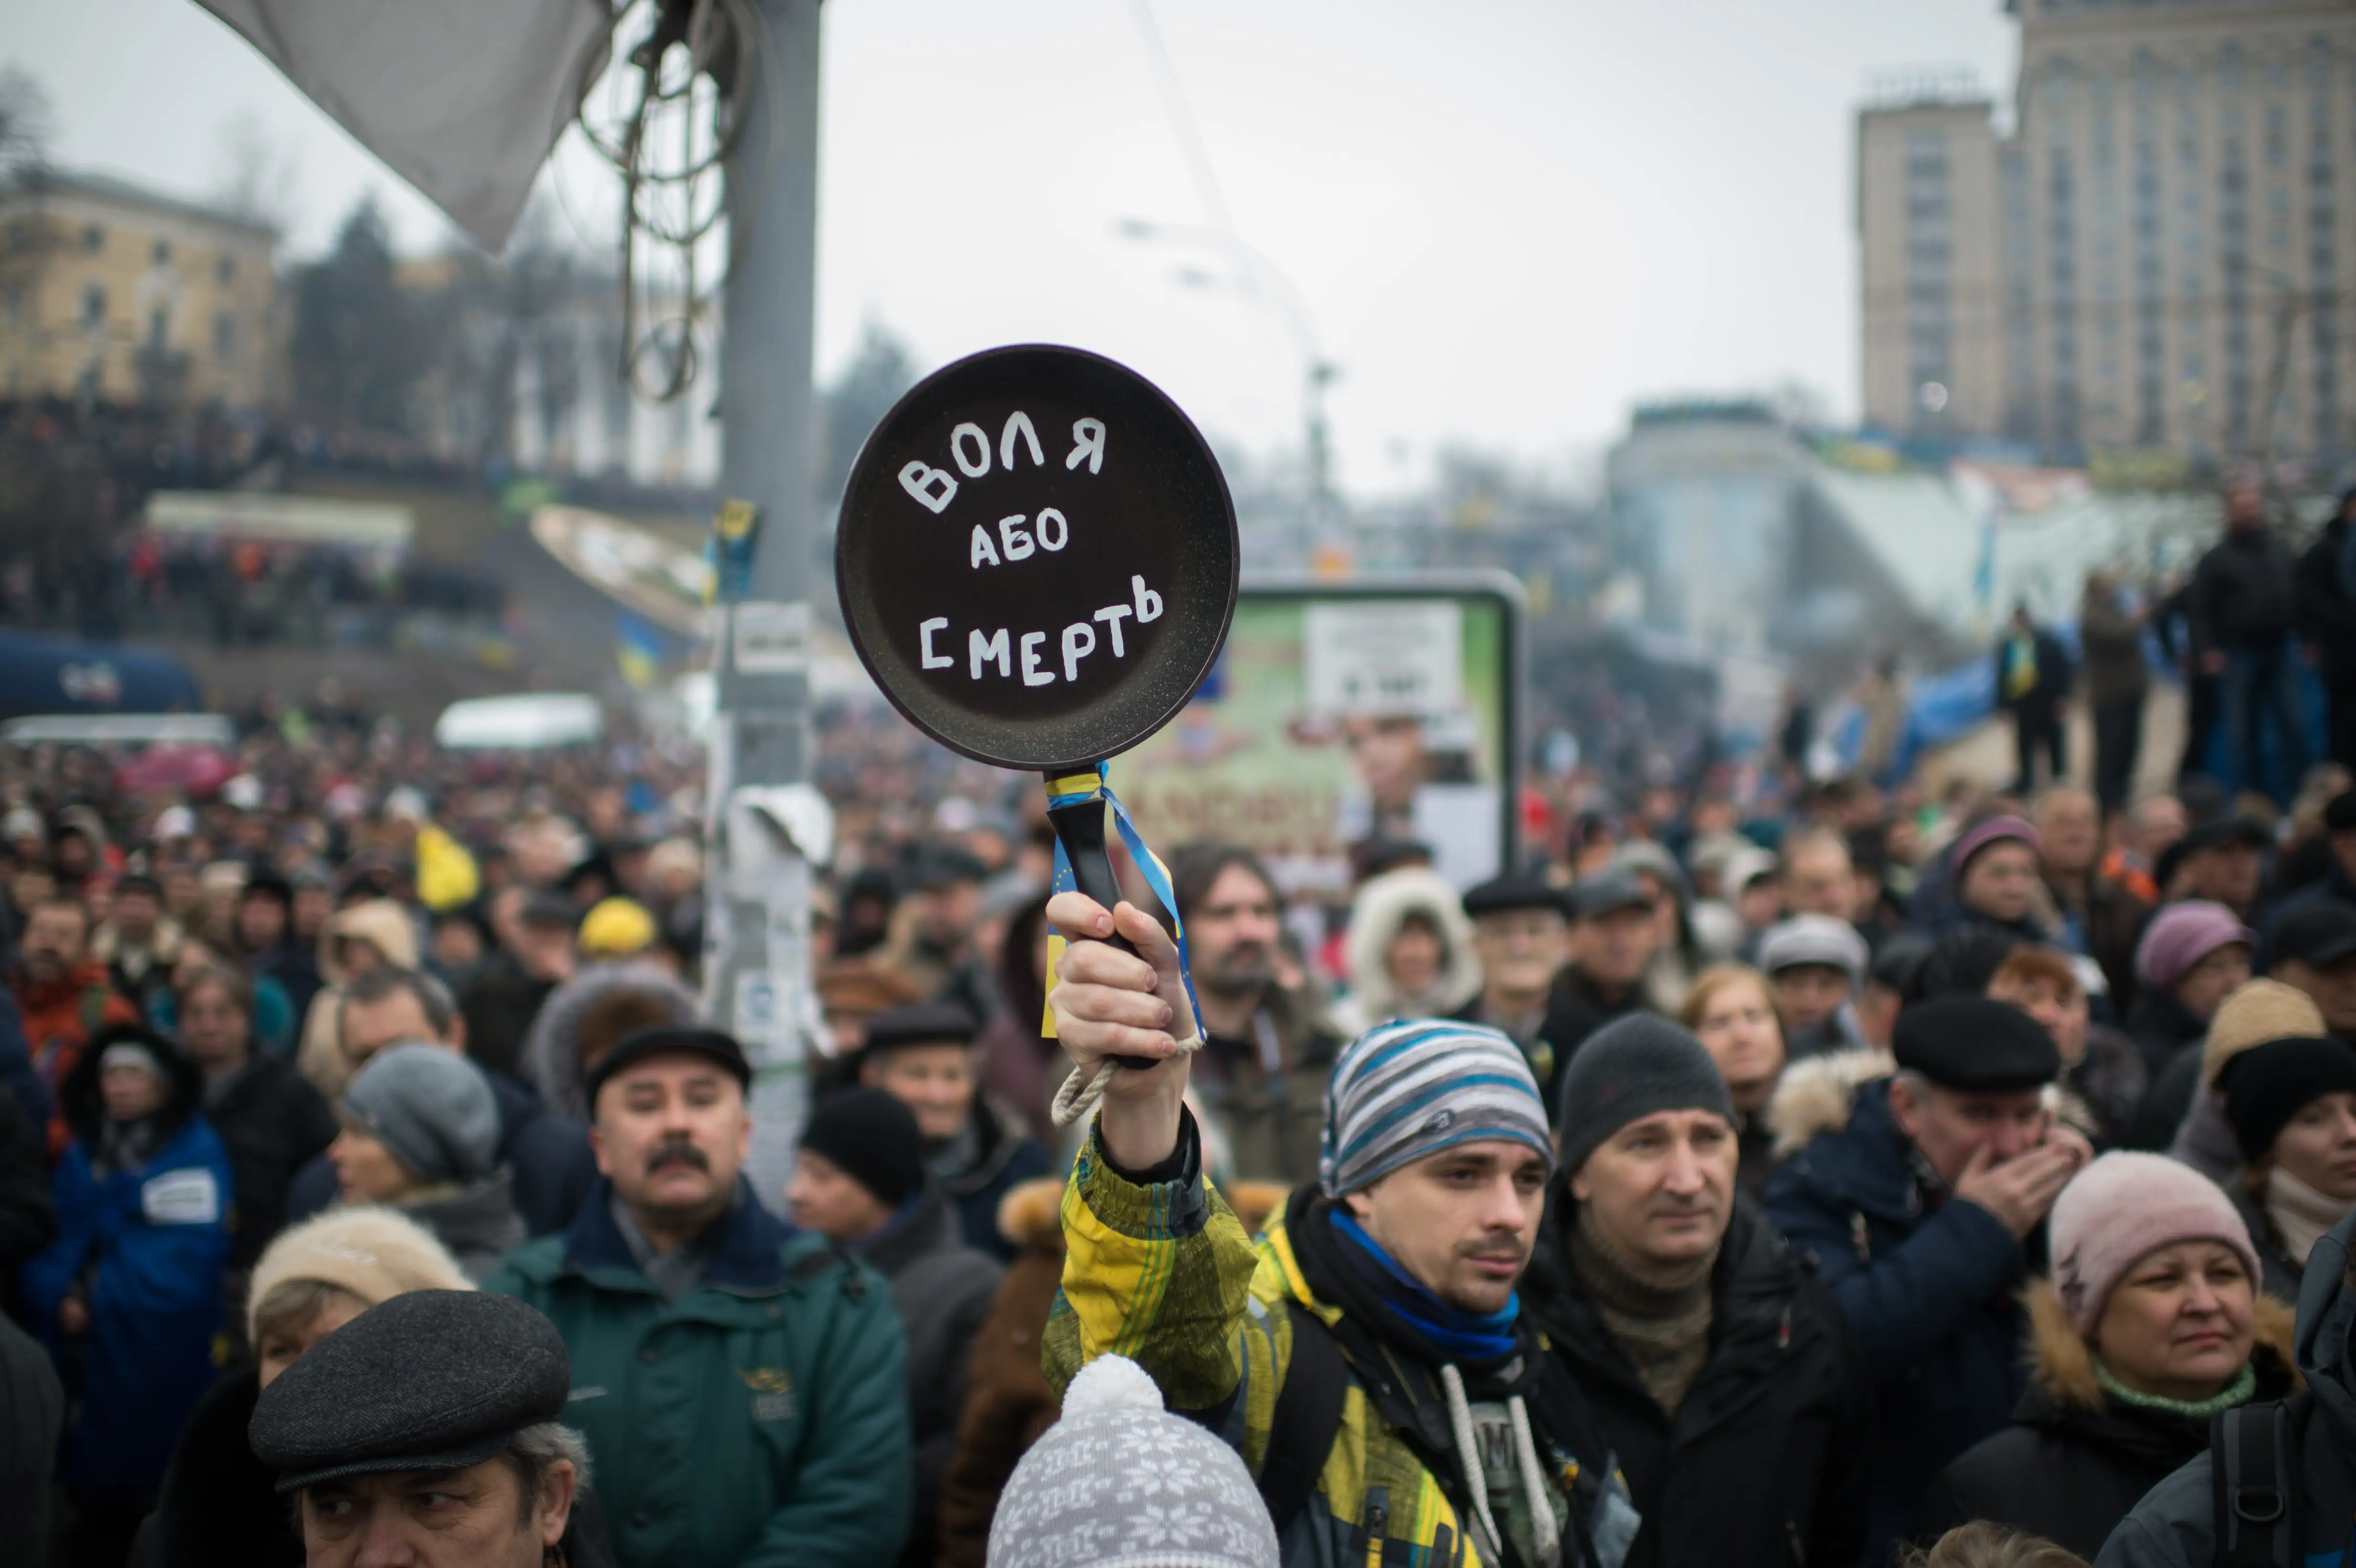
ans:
x=1411 y=1087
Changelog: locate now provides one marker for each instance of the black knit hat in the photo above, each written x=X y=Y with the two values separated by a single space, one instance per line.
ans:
x=1637 y=1065
x=872 y=1139
x=1975 y=1044
x=2267 y=1085
x=435 y=1380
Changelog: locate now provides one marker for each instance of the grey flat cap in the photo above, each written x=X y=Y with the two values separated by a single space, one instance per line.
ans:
x=1591 y=897
x=1813 y=939
x=436 y=1380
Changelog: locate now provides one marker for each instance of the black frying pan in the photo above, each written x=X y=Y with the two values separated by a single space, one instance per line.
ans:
x=1037 y=560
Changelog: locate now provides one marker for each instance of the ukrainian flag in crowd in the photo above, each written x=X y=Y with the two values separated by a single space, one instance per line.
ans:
x=638 y=649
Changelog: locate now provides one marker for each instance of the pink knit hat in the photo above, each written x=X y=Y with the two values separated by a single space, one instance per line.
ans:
x=1995 y=830
x=2181 y=936
x=2125 y=1207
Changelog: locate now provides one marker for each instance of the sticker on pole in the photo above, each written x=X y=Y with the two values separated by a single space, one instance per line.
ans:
x=1036 y=556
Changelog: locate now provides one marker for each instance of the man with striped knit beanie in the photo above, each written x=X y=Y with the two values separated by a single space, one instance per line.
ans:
x=1396 y=1272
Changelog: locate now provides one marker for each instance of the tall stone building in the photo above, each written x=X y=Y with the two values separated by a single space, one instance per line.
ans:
x=114 y=293
x=2171 y=218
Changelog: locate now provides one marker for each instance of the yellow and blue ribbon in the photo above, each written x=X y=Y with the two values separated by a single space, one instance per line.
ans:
x=1073 y=789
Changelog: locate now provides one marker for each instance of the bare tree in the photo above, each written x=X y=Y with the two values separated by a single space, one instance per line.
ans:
x=256 y=173
x=27 y=236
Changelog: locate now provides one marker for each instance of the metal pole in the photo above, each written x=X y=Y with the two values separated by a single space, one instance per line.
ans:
x=767 y=827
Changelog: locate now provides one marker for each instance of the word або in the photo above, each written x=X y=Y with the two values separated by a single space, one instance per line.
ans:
x=1018 y=537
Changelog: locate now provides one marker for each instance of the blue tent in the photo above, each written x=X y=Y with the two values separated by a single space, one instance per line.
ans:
x=53 y=675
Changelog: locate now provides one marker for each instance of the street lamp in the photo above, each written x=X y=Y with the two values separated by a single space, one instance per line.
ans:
x=1264 y=281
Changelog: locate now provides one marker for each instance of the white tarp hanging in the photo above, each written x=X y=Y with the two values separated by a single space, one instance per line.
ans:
x=462 y=97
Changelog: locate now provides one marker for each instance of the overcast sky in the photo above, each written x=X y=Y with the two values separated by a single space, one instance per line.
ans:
x=1510 y=219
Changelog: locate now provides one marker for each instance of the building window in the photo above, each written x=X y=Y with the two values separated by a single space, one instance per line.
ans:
x=159 y=322
x=93 y=238
x=225 y=269
x=2277 y=136
x=224 y=334
x=93 y=304
x=15 y=305
x=163 y=252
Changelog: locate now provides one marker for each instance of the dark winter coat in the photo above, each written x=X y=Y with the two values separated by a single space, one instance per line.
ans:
x=1768 y=1459
x=2174 y=1525
x=32 y=1415
x=1008 y=1404
x=220 y=1507
x=760 y=1420
x=1004 y=1158
x=272 y=1123
x=29 y=1220
x=2053 y=675
x=144 y=1248
x=2111 y=643
x=547 y=1157
x=942 y=1290
x=2109 y=924
x=499 y=1003
x=1928 y=1284
x=2327 y=613
x=2111 y=1082
x=17 y=1076
x=2074 y=1461
x=2161 y=1027
x=2244 y=593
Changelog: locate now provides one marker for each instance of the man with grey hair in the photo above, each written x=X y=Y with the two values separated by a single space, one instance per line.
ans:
x=546 y=1154
x=1921 y=1197
x=428 y=1429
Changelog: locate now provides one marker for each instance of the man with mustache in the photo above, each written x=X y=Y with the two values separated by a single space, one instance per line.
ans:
x=1395 y=1271
x=740 y=1385
x=1920 y=1194
x=1261 y=1077
x=1717 y=1367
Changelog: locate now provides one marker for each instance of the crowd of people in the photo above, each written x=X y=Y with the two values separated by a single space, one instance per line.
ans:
x=2238 y=628
x=1826 y=1174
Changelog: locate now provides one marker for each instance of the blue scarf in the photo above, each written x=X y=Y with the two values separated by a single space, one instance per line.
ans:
x=1459 y=1335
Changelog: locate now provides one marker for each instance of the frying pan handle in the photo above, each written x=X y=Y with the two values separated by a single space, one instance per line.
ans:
x=1080 y=828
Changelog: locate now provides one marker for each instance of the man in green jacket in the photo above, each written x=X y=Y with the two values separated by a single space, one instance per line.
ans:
x=741 y=1387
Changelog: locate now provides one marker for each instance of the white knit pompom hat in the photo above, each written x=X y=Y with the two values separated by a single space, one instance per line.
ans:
x=1120 y=1482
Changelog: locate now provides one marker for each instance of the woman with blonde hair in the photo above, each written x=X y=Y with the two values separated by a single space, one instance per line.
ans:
x=1731 y=1008
x=219 y=1505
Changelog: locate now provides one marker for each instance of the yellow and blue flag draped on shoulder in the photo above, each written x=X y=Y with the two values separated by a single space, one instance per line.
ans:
x=1071 y=790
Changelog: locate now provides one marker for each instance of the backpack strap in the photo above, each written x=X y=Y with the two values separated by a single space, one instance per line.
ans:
x=1308 y=1414
x=2253 y=1466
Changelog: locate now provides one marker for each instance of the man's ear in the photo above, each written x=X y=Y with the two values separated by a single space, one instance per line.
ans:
x=598 y=1148
x=455 y=1037
x=554 y=1511
x=1903 y=1108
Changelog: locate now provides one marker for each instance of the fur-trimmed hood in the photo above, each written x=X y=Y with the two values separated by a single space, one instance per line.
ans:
x=1818 y=1094
x=2061 y=1364
x=380 y=923
x=1381 y=907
